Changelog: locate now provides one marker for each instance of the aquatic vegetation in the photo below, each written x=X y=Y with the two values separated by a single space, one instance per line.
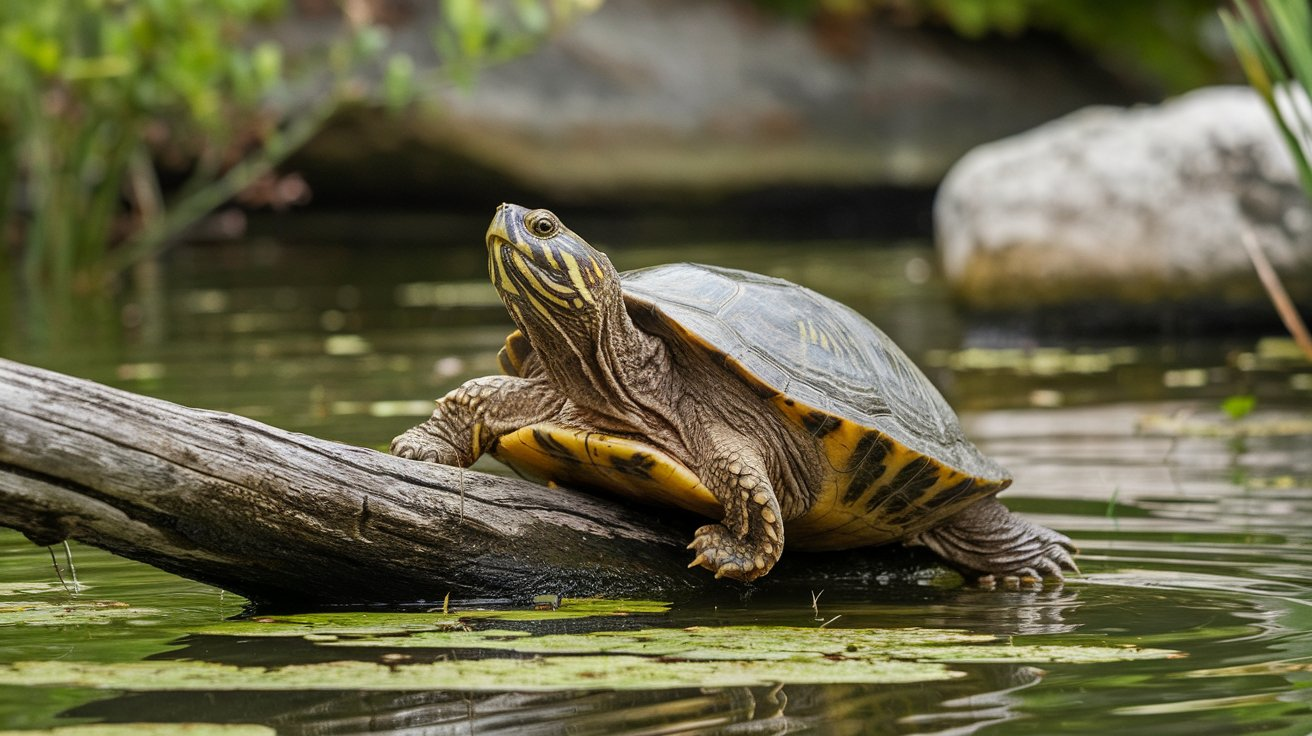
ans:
x=648 y=658
x=389 y=624
x=48 y=613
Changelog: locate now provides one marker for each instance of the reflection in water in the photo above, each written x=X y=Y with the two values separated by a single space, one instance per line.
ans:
x=1192 y=538
x=959 y=706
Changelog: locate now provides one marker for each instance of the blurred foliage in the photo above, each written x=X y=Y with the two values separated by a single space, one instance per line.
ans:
x=477 y=32
x=1239 y=406
x=1273 y=40
x=97 y=88
x=98 y=92
x=1162 y=41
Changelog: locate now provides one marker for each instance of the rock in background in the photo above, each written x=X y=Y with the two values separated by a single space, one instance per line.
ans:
x=687 y=100
x=1140 y=206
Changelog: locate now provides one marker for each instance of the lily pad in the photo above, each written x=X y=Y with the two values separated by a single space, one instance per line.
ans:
x=772 y=643
x=644 y=659
x=544 y=673
x=10 y=590
x=575 y=608
x=699 y=642
x=151 y=729
x=335 y=624
x=46 y=613
x=359 y=624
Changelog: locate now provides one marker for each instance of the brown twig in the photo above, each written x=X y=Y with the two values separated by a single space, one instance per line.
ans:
x=1279 y=297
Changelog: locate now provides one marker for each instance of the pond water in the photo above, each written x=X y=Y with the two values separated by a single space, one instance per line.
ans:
x=1195 y=529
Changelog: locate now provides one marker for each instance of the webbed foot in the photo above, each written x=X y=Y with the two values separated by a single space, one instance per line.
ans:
x=728 y=556
x=995 y=545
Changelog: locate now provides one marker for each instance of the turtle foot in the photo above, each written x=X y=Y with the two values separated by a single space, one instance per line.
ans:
x=724 y=554
x=996 y=546
x=417 y=443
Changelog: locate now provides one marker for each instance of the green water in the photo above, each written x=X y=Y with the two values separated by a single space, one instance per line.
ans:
x=1191 y=539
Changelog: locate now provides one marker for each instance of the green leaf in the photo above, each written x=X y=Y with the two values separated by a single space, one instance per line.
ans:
x=398 y=81
x=1239 y=405
x=46 y=613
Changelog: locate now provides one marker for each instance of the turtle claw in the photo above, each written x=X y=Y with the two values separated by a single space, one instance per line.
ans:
x=724 y=554
x=417 y=443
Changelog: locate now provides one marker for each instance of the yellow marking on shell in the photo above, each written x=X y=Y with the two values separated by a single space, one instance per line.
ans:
x=831 y=524
x=801 y=330
x=513 y=354
x=824 y=340
x=617 y=465
x=596 y=268
x=576 y=276
x=507 y=363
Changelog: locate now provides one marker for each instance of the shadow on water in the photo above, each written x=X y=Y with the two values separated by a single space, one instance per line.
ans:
x=1195 y=530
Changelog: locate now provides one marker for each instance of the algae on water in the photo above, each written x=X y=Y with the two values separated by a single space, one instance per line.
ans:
x=417 y=652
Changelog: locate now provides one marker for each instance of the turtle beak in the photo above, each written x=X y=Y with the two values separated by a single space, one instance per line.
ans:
x=498 y=233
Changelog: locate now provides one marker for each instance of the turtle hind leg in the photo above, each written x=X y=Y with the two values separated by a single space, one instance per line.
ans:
x=991 y=542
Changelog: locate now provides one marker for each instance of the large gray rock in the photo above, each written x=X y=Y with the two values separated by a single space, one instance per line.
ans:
x=686 y=98
x=1143 y=205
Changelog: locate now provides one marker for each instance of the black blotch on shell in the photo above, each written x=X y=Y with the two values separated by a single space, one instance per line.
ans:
x=819 y=424
x=908 y=485
x=870 y=452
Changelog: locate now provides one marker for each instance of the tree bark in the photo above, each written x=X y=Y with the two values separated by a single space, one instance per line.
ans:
x=282 y=517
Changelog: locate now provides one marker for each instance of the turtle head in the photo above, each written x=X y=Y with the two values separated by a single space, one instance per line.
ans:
x=547 y=275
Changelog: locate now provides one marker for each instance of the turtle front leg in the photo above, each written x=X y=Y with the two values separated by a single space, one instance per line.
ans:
x=990 y=541
x=470 y=418
x=750 y=538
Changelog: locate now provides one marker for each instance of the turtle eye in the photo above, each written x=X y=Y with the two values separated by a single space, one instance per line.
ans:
x=542 y=223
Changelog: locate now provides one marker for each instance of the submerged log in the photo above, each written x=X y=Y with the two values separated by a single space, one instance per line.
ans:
x=281 y=517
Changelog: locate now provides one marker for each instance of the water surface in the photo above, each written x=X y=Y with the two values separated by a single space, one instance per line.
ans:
x=1195 y=536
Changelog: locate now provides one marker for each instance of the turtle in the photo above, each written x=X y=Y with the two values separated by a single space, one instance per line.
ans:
x=783 y=415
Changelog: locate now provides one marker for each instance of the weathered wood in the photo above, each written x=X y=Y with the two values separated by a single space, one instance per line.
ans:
x=285 y=518
x=282 y=517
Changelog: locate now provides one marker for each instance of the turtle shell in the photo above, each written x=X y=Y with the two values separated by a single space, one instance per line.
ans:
x=898 y=459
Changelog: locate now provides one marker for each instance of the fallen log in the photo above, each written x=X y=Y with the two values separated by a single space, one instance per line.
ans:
x=281 y=517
